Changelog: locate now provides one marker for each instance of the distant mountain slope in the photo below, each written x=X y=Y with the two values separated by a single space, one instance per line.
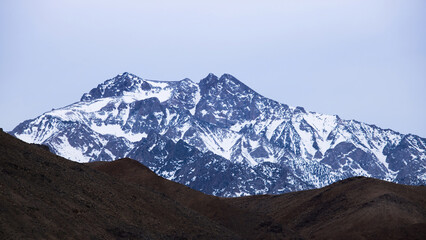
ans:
x=44 y=196
x=222 y=138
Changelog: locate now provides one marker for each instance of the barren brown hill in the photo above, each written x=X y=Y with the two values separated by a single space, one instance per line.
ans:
x=355 y=208
x=43 y=196
x=245 y=222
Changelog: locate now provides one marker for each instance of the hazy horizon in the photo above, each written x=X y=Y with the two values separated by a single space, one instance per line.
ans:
x=362 y=60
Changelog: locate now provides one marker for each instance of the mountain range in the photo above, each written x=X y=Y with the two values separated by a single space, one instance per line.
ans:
x=221 y=137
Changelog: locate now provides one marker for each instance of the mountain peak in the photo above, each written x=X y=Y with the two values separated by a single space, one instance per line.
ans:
x=227 y=76
x=211 y=75
x=114 y=86
x=209 y=79
x=225 y=81
x=126 y=75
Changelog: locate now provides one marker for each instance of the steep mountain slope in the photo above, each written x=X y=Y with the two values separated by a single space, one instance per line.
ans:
x=223 y=138
x=44 y=196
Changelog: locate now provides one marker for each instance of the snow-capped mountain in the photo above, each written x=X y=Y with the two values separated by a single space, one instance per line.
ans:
x=222 y=138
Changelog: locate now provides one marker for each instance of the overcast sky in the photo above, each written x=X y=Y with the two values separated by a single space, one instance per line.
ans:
x=363 y=60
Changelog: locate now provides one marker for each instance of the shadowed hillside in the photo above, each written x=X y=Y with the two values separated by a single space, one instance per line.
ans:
x=246 y=222
x=355 y=208
x=44 y=196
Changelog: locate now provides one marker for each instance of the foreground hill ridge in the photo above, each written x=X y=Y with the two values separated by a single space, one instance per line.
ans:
x=44 y=196
x=221 y=137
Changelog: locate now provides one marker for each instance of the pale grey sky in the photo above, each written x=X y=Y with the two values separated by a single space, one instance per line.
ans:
x=360 y=59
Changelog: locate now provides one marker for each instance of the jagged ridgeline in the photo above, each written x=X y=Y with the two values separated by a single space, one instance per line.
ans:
x=222 y=138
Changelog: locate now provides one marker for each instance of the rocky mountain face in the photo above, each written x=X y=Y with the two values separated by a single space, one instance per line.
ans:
x=222 y=138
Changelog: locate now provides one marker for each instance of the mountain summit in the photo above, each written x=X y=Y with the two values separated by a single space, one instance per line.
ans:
x=223 y=138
